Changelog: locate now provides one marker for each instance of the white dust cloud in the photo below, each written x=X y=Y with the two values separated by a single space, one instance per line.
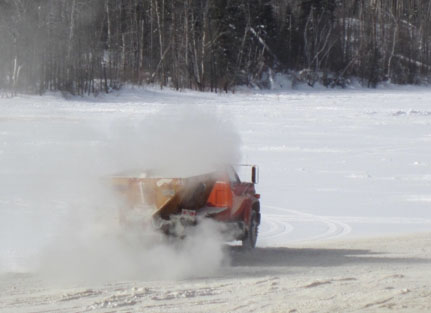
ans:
x=66 y=197
x=184 y=141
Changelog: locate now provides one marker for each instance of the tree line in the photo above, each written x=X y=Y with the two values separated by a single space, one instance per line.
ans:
x=92 y=46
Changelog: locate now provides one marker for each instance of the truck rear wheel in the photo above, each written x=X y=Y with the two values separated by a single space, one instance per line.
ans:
x=249 y=241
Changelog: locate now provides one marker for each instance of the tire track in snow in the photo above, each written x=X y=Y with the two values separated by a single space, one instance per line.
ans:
x=280 y=225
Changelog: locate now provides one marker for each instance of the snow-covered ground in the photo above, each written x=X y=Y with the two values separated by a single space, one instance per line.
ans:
x=334 y=164
x=372 y=275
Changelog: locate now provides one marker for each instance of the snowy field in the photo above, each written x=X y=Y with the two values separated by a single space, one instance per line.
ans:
x=337 y=168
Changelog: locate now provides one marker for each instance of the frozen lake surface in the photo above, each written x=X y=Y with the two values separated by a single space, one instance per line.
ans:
x=332 y=163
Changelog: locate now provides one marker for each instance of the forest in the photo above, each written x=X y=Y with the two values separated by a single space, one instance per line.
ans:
x=93 y=46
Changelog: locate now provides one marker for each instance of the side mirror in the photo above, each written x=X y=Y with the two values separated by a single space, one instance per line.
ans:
x=247 y=173
x=255 y=174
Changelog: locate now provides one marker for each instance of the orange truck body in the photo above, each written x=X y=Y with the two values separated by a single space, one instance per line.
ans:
x=219 y=195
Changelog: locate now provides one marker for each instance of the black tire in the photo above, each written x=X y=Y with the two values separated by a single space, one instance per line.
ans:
x=249 y=241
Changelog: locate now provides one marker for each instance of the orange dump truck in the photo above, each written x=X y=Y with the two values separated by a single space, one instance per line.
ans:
x=176 y=203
